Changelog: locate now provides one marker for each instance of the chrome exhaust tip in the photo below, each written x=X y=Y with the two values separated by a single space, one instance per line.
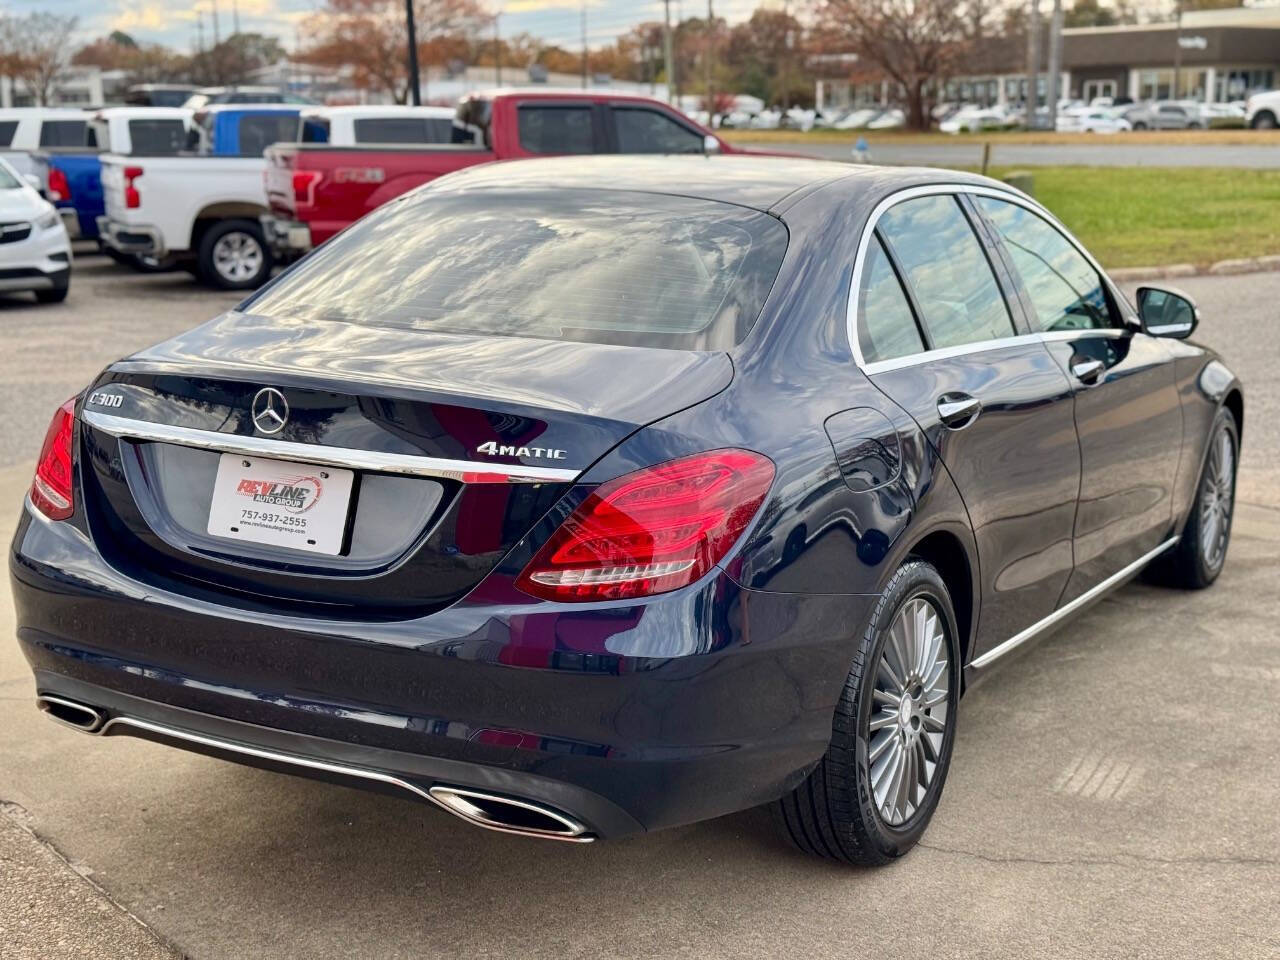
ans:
x=509 y=815
x=80 y=716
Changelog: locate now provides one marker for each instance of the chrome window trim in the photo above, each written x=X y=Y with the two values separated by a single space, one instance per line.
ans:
x=981 y=346
x=468 y=471
x=1115 y=580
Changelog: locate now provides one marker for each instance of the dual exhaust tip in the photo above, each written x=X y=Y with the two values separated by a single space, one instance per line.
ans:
x=491 y=811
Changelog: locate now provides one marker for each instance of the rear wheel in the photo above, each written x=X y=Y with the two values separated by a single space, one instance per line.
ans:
x=1139 y=125
x=1202 y=550
x=233 y=255
x=872 y=795
x=1264 y=120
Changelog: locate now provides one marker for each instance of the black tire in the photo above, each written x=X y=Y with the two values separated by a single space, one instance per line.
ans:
x=1188 y=565
x=1264 y=120
x=1139 y=125
x=834 y=812
x=56 y=295
x=249 y=233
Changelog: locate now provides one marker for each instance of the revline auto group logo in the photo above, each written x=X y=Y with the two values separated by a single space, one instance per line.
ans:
x=295 y=494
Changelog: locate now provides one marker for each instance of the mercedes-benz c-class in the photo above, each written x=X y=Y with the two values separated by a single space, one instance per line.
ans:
x=581 y=498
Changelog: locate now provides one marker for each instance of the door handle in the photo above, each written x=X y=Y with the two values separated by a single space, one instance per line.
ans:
x=958 y=410
x=1087 y=370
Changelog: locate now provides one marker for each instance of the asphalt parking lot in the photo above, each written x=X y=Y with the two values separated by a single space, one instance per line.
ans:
x=1113 y=792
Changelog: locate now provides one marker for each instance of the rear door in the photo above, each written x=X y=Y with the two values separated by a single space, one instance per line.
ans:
x=557 y=127
x=938 y=336
x=1126 y=403
x=638 y=128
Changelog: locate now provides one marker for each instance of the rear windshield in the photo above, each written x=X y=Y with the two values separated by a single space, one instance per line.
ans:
x=157 y=138
x=404 y=130
x=260 y=130
x=64 y=133
x=587 y=266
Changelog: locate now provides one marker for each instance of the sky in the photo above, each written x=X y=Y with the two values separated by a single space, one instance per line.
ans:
x=174 y=23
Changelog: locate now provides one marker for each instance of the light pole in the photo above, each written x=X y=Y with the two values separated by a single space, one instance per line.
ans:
x=666 y=50
x=415 y=94
x=1055 y=62
x=1177 y=57
x=1033 y=65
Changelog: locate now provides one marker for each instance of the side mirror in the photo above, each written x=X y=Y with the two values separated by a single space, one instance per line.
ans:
x=710 y=145
x=1166 y=312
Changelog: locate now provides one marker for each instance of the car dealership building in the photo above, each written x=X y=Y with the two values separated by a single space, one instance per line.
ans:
x=1217 y=56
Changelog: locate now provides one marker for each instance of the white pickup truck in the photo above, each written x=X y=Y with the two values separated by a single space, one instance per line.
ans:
x=200 y=209
x=24 y=130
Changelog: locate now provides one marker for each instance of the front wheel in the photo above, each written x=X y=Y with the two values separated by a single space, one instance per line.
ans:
x=872 y=795
x=1202 y=550
x=233 y=255
x=1264 y=120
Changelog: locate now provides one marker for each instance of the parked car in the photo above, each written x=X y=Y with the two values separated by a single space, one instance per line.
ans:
x=889 y=120
x=857 y=119
x=24 y=130
x=158 y=95
x=975 y=120
x=35 y=253
x=209 y=96
x=200 y=210
x=72 y=177
x=1166 y=116
x=1088 y=120
x=353 y=125
x=482 y=502
x=1262 y=110
x=315 y=190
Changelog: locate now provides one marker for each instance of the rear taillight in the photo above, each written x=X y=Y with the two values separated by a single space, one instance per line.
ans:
x=651 y=531
x=51 y=490
x=132 y=199
x=304 y=186
x=59 y=189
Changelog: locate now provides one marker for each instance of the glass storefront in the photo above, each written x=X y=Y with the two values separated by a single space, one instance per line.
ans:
x=1239 y=84
x=1158 y=84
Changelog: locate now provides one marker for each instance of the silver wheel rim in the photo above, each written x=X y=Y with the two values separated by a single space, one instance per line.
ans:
x=910 y=707
x=237 y=256
x=1216 y=499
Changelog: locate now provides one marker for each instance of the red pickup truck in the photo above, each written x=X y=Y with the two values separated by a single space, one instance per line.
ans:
x=316 y=189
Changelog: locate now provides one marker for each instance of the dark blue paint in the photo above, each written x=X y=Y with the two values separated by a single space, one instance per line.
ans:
x=84 y=178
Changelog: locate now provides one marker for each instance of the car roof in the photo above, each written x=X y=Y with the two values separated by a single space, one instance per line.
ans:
x=251 y=107
x=141 y=113
x=377 y=110
x=50 y=113
x=756 y=181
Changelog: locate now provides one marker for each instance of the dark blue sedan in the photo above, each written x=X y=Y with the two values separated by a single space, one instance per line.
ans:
x=582 y=498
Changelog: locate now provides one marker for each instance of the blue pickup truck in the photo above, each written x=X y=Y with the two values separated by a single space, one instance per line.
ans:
x=72 y=174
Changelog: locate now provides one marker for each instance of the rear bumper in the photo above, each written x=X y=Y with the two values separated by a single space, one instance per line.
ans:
x=128 y=238
x=288 y=239
x=624 y=717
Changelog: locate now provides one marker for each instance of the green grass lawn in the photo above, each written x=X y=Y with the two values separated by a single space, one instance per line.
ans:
x=1151 y=216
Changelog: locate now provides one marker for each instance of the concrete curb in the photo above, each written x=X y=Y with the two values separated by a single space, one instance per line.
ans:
x=1222 y=268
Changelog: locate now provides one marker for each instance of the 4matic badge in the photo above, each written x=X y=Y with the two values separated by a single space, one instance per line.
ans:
x=495 y=450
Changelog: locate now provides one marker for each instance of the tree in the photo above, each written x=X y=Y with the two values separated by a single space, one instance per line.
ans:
x=914 y=42
x=370 y=37
x=234 y=59
x=1090 y=13
x=37 y=50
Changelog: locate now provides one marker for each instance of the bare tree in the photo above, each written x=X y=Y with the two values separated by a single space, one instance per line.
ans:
x=914 y=42
x=36 y=49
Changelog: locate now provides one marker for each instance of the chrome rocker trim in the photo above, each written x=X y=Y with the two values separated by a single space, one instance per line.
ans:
x=574 y=832
x=467 y=471
x=1115 y=580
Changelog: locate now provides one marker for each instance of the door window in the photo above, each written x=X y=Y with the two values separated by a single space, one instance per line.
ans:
x=1067 y=292
x=887 y=327
x=7 y=129
x=648 y=131
x=554 y=129
x=64 y=133
x=947 y=270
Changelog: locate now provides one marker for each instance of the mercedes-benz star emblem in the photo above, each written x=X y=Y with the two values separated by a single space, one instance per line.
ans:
x=270 y=410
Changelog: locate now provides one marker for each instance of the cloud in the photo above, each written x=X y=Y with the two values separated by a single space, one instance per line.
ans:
x=535 y=6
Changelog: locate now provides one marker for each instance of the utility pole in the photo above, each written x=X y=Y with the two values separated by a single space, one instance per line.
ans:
x=1176 y=93
x=216 y=40
x=415 y=92
x=497 y=49
x=1033 y=65
x=708 y=85
x=1055 y=62
x=670 y=61
x=789 y=44
x=235 y=16
x=584 y=44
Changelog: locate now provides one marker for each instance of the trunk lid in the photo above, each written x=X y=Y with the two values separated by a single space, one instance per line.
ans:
x=457 y=445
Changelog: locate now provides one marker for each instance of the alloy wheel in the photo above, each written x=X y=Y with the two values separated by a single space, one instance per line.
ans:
x=911 y=703
x=1217 y=499
x=237 y=256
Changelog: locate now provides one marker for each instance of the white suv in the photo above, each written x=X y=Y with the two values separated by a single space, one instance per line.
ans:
x=35 y=253
x=1262 y=110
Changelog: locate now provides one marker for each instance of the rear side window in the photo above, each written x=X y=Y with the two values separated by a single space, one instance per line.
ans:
x=261 y=131
x=947 y=270
x=1066 y=291
x=547 y=129
x=641 y=130
x=580 y=265
x=64 y=133
x=157 y=138
x=471 y=123
x=403 y=130
x=7 y=129
x=886 y=326
x=313 y=130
